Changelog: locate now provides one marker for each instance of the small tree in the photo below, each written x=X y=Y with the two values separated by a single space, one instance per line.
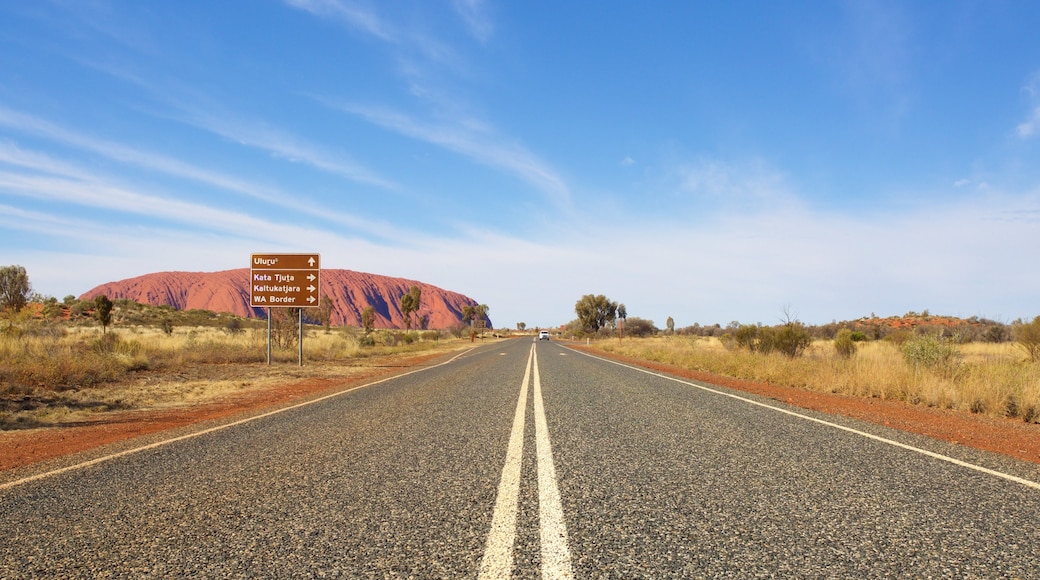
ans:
x=409 y=304
x=595 y=311
x=324 y=312
x=368 y=319
x=14 y=288
x=670 y=325
x=1027 y=335
x=103 y=311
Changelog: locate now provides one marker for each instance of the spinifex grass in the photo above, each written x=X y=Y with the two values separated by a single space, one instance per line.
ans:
x=994 y=379
x=49 y=377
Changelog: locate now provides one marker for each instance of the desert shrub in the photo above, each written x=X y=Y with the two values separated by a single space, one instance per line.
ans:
x=166 y=326
x=791 y=340
x=845 y=344
x=898 y=337
x=858 y=336
x=367 y=340
x=639 y=327
x=929 y=352
x=996 y=333
x=233 y=327
x=1027 y=335
x=106 y=343
x=746 y=336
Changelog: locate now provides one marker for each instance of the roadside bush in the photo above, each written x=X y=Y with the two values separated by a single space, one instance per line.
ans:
x=929 y=352
x=845 y=344
x=746 y=336
x=1027 y=335
x=791 y=339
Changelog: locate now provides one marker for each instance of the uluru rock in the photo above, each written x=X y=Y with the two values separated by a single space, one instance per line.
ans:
x=350 y=291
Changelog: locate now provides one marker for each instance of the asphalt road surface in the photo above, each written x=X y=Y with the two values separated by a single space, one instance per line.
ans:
x=525 y=460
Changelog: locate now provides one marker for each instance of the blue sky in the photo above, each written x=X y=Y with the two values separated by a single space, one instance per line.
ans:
x=706 y=161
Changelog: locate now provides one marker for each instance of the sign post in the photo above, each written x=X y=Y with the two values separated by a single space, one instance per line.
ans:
x=284 y=281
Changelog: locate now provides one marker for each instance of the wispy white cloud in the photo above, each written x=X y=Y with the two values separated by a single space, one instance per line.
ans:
x=474 y=14
x=730 y=183
x=471 y=138
x=1030 y=126
x=260 y=135
x=354 y=14
x=12 y=154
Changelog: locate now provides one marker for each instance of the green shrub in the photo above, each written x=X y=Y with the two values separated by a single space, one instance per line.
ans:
x=929 y=352
x=791 y=339
x=845 y=343
x=746 y=336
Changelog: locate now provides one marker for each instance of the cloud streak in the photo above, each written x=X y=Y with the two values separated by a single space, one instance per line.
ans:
x=471 y=139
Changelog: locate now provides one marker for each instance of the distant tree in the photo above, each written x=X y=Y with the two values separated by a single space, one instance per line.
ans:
x=409 y=304
x=103 y=311
x=595 y=311
x=14 y=288
x=670 y=325
x=69 y=300
x=469 y=312
x=324 y=313
x=368 y=319
x=622 y=312
x=521 y=326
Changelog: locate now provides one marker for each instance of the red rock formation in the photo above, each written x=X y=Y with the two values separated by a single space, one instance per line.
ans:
x=350 y=291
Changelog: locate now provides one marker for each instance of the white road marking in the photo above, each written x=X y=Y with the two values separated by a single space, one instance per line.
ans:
x=932 y=454
x=98 y=460
x=556 y=556
x=498 y=553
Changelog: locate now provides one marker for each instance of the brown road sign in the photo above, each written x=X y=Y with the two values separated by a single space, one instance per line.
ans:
x=284 y=280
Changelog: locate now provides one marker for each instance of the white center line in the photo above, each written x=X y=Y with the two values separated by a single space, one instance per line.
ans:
x=556 y=556
x=498 y=554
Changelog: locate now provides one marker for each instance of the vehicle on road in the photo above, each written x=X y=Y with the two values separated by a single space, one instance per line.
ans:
x=543 y=335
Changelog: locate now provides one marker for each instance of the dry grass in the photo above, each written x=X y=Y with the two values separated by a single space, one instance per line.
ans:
x=994 y=379
x=72 y=374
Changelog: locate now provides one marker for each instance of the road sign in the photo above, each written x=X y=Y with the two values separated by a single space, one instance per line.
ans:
x=284 y=280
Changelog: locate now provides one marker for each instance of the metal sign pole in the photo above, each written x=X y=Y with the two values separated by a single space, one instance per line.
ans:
x=268 y=336
x=300 y=310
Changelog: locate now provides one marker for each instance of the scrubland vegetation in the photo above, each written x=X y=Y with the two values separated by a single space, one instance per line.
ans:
x=997 y=379
x=58 y=362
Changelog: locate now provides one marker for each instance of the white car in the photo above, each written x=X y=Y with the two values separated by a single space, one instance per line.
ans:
x=543 y=335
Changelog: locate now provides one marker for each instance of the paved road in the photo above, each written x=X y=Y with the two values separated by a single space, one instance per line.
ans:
x=523 y=458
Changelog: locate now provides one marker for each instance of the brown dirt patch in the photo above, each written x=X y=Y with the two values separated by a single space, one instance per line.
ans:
x=1010 y=437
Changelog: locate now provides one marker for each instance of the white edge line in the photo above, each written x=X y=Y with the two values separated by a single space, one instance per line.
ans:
x=932 y=454
x=124 y=453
